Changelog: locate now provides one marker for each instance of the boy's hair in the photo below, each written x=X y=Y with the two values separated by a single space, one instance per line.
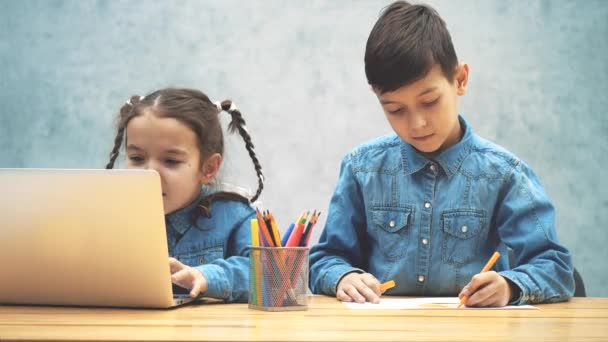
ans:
x=194 y=109
x=405 y=43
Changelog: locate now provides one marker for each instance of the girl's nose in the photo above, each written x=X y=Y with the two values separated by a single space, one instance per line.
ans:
x=152 y=165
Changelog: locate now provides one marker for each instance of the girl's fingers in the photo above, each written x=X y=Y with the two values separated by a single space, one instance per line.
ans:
x=175 y=265
x=182 y=278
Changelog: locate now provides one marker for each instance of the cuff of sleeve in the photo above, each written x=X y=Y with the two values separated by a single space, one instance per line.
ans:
x=529 y=292
x=334 y=275
x=217 y=282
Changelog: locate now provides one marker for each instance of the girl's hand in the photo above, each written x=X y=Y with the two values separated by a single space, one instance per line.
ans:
x=187 y=277
x=359 y=287
x=487 y=289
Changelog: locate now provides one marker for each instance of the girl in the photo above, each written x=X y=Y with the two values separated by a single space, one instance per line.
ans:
x=177 y=132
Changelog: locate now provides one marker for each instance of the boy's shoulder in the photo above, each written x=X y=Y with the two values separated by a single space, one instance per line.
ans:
x=377 y=145
x=492 y=156
x=381 y=150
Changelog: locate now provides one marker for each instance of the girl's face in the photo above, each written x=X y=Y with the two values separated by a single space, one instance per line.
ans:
x=171 y=148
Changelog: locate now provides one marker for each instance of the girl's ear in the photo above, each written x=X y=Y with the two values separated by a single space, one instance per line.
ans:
x=462 y=78
x=211 y=167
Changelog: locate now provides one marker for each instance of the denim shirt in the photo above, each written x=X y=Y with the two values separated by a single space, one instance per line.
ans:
x=431 y=224
x=217 y=245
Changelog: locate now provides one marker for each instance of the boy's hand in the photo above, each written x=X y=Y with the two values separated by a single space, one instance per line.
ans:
x=487 y=289
x=358 y=287
x=187 y=277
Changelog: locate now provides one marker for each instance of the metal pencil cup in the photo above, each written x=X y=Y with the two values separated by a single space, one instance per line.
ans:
x=278 y=278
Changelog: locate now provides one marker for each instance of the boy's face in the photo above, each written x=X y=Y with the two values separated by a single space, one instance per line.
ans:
x=171 y=148
x=425 y=112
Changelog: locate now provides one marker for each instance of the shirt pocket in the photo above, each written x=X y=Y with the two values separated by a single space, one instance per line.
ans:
x=390 y=229
x=462 y=234
x=203 y=256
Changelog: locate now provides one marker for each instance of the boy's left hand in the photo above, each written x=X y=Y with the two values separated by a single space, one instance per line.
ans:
x=487 y=289
x=187 y=277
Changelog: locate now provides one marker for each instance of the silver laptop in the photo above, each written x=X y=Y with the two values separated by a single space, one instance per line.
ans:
x=84 y=237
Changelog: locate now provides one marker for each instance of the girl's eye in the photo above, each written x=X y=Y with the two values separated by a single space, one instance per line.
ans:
x=396 y=111
x=136 y=159
x=172 y=162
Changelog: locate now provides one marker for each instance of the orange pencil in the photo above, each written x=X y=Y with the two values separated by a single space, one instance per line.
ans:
x=388 y=285
x=264 y=229
x=275 y=230
x=486 y=268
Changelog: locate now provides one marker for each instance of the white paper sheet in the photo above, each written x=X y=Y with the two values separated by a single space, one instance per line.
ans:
x=426 y=303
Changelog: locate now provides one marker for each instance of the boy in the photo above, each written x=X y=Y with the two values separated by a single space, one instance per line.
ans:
x=427 y=206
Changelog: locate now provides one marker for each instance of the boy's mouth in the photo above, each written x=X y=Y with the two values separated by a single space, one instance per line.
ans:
x=423 y=137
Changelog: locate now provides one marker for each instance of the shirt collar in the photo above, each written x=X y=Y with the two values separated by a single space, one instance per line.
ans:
x=450 y=159
x=181 y=219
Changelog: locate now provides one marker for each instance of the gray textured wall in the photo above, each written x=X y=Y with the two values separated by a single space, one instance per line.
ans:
x=539 y=77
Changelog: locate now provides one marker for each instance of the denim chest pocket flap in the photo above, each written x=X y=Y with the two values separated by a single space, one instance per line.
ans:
x=463 y=237
x=463 y=224
x=389 y=228
x=391 y=219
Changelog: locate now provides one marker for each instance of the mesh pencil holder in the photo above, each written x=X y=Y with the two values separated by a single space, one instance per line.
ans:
x=278 y=278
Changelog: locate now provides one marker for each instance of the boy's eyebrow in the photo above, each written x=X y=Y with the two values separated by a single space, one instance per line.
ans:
x=387 y=102
x=424 y=92
x=427 y=90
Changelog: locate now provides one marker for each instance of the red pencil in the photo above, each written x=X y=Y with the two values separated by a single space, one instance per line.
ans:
x=296 y=234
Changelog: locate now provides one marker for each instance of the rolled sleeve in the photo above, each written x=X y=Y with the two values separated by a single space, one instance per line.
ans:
x=218 y=285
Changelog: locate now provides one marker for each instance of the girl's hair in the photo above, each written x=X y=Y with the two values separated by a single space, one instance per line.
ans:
x=194 y=109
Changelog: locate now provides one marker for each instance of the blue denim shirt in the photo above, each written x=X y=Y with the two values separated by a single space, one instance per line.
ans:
x=217 y=246
x=431 y=224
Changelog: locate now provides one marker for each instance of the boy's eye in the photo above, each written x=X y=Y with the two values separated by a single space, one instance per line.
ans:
x=431 y=103
x=395 y=111
x=172 y=162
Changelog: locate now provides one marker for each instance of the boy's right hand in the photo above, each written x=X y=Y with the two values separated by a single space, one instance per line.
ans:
x=359 y=287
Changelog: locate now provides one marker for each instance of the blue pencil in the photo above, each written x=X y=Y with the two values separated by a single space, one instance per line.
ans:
x=287 y=234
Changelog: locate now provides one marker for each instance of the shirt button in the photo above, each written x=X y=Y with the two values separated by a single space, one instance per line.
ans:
x=464 y=229
x=433 y=167
x=421 y=279
x=427 y=205
x=391 y=224
x=425 y=241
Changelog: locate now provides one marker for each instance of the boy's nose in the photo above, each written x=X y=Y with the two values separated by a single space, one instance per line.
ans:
x=417 y=121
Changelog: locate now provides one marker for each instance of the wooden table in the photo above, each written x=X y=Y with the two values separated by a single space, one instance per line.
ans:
x=581 y=319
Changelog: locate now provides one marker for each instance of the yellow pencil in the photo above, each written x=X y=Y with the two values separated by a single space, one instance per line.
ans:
x=275 y=231
x=486 y=268
x=255 y=242
x=255 y=237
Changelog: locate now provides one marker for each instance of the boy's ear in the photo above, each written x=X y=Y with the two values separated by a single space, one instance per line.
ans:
x=462 y=78
x=211 y=167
